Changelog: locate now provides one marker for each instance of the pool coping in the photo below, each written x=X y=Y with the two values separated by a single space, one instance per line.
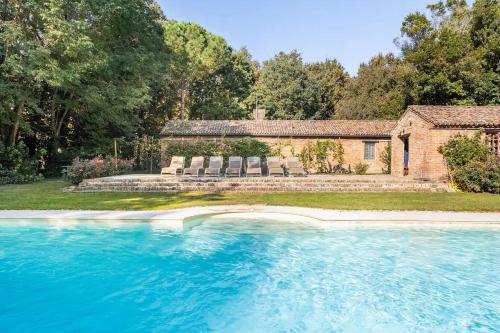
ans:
x=182 y=219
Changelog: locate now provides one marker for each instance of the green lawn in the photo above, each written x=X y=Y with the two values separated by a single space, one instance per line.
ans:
x=49 y=195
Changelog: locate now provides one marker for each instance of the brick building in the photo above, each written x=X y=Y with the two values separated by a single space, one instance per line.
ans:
x=422 y=129
x=363 y=141
x=415 y=137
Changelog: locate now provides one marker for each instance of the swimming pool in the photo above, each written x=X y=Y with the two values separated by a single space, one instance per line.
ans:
x=247 y=275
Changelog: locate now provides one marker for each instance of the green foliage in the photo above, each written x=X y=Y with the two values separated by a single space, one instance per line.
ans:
x=326 y=83
x=75 y=73
x=472 y=165
x=16 y=167
x=207 y=79
x=289 y=89
x=280 y=88
x=462 y=149
x=451 y=58
x=382 y=90
x=243 y=147
x=360 y=168
x=479 y=176
x=246 y=147
x=280 y=148
x=457 y=57
x=12 y=177
x=320 y=155
x=147 y=153
x=416 y=27
x=97 y=167
x=386 y=158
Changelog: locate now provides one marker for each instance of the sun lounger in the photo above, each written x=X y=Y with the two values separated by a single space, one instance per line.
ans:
x=253 y=166
x=196 y=166
x=176 y=165
x=274 y=167
x=294 y=167
x=214 y=166
x=234 y=166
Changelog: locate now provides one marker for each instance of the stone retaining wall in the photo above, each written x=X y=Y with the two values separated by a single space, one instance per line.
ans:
x=254 y=184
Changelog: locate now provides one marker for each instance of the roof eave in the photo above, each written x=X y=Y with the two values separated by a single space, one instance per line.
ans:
x=281 y=136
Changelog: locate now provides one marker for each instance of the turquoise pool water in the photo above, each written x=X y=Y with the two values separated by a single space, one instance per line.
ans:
x=247 y=276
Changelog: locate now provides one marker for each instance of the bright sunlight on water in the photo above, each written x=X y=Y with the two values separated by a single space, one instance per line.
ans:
x=247 y=276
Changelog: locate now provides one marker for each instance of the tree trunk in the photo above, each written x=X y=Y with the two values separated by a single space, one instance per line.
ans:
x=183 y=103
x=15 y=128
x=57 y=123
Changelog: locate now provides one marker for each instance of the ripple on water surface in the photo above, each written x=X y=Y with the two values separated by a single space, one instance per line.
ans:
x=248 y=276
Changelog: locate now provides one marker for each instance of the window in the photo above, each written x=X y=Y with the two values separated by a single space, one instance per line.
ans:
x=493 y=140
x=369 y=151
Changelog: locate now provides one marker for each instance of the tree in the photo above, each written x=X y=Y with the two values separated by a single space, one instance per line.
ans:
x=326 y=82
x=281 y=87
x=65 y=62
x=456 y=58
x=416 y=28
x=221 y=95
x=485 y=35
x=207 y=77
x=381 y=90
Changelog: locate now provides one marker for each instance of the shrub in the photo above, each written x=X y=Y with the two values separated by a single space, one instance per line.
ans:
x=386 y=156
x=97 y=167
x=462 y=149
x=472 y=166
x=361 y=168
x=246 y=147
x=479 y=176
x=16 y=166
x=12 y=177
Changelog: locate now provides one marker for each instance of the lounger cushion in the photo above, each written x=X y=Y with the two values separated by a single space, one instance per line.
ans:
x=192 y=171
x=170 y=170
x=254 y=171
x=212 y=171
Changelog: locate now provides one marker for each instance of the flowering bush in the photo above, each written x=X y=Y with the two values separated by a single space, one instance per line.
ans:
x=97 y=167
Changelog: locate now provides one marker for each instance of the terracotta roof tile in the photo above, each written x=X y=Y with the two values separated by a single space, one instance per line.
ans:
x=280 y=128
x=459 y=116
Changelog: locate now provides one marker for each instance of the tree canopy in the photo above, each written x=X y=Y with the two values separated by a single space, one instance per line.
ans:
x=76 y=74
x=381 y=90
x=207 y=78
x=457 y=58
x=76 y=70
x=289 y=89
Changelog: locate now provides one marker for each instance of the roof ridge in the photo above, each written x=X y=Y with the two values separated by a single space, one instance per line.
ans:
x=461 y=116
x=281 y=128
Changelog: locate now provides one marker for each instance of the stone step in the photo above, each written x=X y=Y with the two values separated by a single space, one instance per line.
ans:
x=250 y=180
x=96 y=186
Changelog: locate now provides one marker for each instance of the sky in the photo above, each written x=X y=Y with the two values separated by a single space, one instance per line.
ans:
x=351 y=31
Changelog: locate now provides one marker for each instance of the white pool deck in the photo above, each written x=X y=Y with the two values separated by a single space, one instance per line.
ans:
x=184 y=219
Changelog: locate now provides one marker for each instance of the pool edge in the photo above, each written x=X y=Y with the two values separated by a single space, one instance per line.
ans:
x=179 y=219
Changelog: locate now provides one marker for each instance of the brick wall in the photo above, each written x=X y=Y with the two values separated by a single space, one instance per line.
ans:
x=353 y=148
